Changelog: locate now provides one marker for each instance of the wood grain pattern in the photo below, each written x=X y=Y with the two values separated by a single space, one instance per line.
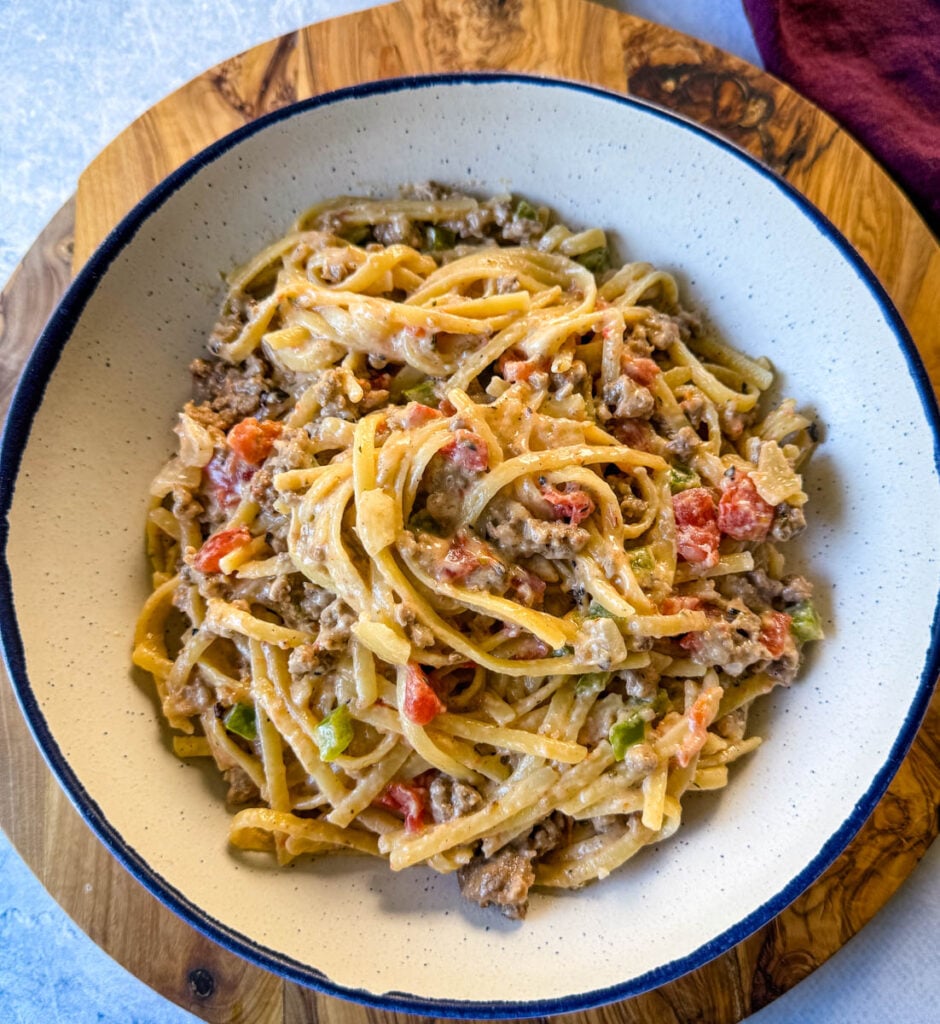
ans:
x=564 y=38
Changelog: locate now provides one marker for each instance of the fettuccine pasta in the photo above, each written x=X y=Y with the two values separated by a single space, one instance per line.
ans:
x=469 y=552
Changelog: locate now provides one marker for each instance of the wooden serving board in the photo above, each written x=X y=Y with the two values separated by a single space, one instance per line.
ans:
x=563 y=38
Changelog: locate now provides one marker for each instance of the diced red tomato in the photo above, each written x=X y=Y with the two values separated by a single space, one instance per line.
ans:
x=406 y=799
x=697 y=535
x=691 y=642
x=516 y=369
x=529 y=648
x=701 y=715
x=468 y=451
x=643 y=371
x=421 y=703
x=742 y=512
x=218 y=546
x=527 y=587
x=775 y=632
x=465 y=555
x=446 y=679
x=253 y=440
x=573 y=506
x=416 y=415
x=680 y=602
x=636 y=434
x=225 y=474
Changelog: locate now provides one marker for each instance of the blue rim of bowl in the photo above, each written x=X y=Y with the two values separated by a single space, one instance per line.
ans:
x=28 y=398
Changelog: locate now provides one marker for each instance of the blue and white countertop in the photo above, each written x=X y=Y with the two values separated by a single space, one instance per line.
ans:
x=72 y=75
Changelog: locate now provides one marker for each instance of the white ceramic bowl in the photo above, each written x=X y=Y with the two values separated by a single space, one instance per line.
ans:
x=91 y=423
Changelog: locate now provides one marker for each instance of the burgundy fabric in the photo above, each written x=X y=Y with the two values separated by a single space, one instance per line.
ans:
x=874 y=65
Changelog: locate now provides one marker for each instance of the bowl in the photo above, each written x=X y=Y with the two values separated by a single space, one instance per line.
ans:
x=91 y=423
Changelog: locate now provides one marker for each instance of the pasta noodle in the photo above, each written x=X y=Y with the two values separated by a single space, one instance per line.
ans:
x=469 y=553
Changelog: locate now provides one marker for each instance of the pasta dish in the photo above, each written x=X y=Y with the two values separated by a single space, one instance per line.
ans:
x=469 y=553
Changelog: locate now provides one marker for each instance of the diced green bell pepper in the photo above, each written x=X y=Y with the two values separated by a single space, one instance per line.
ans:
x=240 y=720
x=598 y=611
x=334 y=734
x=596 y=260
x=439 y=238
x=681 y=479
x=641 y=560
x=355 y=233
x=425 y=393
x=805 y=623
x=625 y=734
x=424 y=522
x=591 y=682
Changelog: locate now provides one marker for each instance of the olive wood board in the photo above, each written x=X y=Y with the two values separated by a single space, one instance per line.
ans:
x=569 y=39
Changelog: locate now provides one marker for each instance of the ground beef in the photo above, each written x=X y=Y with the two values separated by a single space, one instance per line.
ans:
x=635 y=343
x=446 y=483
x=522 y=230
x=732 y=644
x=600 y=719
x=788 y=521
x=662 y=330
x=331 y=393
x=192 y=699
x=336 y=622
x=444 y=507
x=755 y=589
x=733 y=726
x=633 y=508
x=236 y=314
x=624 y=399
x=519 y=534
x=293 y=450
x=308 y=662
x=795 y=589
x=692 y=404
x=450 y=798
x=503 y=879
x=428 y=191
x=637 y=682
x=296 y=601
x=684 y=443
x=233 y=392
x=241 y=790
x=640 y=758
x=486 y=221
x=494 y=220
x=400 y=230
x=548 y=835
x=415 y=630
x=783 y=671
x=186 y=508
x=204 y=415
x=768 y=589
x=569 y=382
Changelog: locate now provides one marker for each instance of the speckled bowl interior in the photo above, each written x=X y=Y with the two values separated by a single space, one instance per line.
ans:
x=92 y=422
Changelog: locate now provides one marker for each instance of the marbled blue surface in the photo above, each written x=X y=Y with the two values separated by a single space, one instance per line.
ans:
x=72 y=75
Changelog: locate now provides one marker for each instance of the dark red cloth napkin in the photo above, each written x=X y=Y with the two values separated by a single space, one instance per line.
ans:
x=875 y=66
